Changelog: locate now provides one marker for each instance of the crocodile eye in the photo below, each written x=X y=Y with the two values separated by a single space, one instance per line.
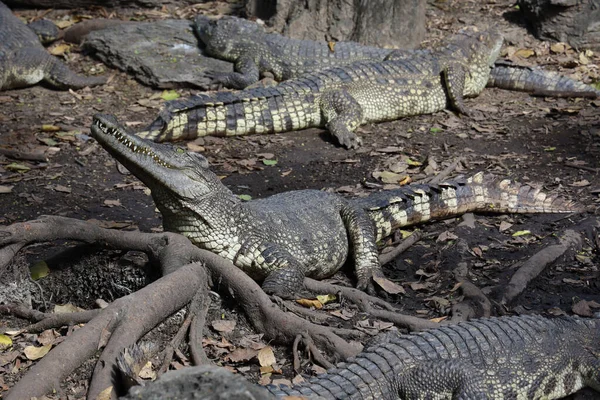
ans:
x=180 y=150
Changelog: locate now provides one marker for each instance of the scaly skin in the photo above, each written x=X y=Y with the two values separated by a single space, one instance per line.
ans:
x=538 y=82
x=255 y=53
x=25 y=62
x=340 y=98
x=285 y=237
x=526 y=357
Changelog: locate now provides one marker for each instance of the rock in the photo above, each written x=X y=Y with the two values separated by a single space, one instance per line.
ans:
x=163 y=54
x=202 y=382
x=576 y=22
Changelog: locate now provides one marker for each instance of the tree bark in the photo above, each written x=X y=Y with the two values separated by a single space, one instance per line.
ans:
x=576 y=22
x=384 y=23
x=88 y=3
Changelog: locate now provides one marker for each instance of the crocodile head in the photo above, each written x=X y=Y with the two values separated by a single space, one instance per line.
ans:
x=222 y=36
x=173 y=174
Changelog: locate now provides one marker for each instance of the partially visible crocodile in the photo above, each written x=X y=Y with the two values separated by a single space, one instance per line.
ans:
x=256 y=52
x=507 y=358
x=341 y=98
x=25 y=62
x=285 y=237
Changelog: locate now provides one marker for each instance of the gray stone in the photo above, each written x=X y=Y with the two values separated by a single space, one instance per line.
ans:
x=202 y=382
x=163 y=54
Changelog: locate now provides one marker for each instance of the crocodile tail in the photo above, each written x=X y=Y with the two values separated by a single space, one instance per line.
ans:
x=259 y=110
x=412 y=204
x=538 y=82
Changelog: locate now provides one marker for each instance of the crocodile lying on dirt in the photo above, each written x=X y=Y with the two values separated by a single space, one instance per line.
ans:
x=341 y=98
x=25 y=62
x=285 y=237
x=256 y=52
x=524 y=357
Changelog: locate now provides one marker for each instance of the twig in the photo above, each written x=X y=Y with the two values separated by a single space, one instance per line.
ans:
x=582 y=167
x=22 y=155
x=444 y=173
x=198 y=309
x=401 y=248
x=295 y=353
x=315 y=353
x=47 y=320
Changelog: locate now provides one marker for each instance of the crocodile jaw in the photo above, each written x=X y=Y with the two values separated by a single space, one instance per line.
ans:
x=160 y=167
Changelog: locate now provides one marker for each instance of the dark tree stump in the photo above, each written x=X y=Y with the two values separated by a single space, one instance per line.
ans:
x=576 y=22
x=87 y=3
x=385 y=23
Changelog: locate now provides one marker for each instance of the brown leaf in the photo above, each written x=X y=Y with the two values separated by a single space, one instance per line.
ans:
x=584 y=308
x=310 y=303
x=6 y=189
x=266 y=357
x=60 y=49
x=63 y=189
x=239 y=355
x=388 y=286
x=35 y=353
x=112 y=203
x=445 y=236
x=106 y=394
x=223 y=325
x=504 y=226
x=524 y=53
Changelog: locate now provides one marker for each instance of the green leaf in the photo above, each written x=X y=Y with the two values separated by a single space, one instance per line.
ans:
x=435 y=130
x=39 y=270
x=245 y=197
x=521 y=233
x=18 y=167
x=5 y=342
x=48 y=141
x=169 y=95
x=326 y=298
x=270 y=162
x=552 y=148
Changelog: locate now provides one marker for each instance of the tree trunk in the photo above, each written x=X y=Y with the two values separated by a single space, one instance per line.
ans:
x=88 y=3
x=576 y=22
x=384 y=23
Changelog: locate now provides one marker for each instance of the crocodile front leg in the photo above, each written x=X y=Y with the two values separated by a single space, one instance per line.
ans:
x=361 y=235
x=286 y=278
x=247 y=73
x=343 y=115
x=454 y=76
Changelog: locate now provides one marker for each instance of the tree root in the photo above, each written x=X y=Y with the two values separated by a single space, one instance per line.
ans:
x=475 y=304
x=47 y=320
x=187 y=270
x=365 y=303
x=570 y=240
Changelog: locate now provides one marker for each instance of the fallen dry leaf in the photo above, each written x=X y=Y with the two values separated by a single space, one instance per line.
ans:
x=6 y=189
x=35 y=353
x=62 y=189
x=106 y=394
x=266 y=357
x=310 y=303
x=239 y=355
x=223 y=325
x=584 y=308
x=112 y=203
x=504 y=226
x=389 y=286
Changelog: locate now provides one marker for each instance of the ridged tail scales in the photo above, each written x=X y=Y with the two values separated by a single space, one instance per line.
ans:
x=393 y=209
x=538 y=82
x=259 y=110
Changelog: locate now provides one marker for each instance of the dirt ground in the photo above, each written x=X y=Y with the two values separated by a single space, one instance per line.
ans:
x=552 y=141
